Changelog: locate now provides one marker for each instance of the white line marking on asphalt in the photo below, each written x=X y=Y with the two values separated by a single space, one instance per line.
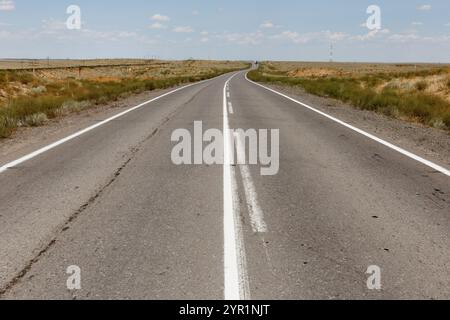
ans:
x=240 y=246
x=254 y=210
x=79 y=133
x=235 y=273
x=366 y=134
x=230 y=108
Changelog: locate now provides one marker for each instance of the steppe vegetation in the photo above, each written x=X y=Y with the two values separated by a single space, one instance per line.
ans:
x=48 y=90
x=418 y=93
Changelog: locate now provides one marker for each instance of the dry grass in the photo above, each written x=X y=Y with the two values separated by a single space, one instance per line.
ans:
x=351 y=69
x=417 y=93
x=30 y=98
x=16 y=64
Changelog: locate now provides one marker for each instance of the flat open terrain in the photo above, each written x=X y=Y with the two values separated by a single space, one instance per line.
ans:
x=14 y=64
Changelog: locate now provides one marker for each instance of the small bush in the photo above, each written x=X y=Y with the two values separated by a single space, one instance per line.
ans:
x=74 y=106
x=421 y=85
x=24 y=77
x=38 y=90
x=446 y=120
x=6 y=126
x=36 y=120
x=438 y=124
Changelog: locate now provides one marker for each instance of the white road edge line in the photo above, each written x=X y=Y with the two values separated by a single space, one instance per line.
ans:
x=235 y=273
x=81 y=132
x=254 y=209
x=242 y=261
x=366 y=134
x=230 y=108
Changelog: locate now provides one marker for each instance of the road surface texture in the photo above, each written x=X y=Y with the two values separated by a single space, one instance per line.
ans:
x=140 y=227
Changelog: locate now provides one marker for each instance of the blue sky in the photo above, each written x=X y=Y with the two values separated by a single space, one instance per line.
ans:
x=247 y=29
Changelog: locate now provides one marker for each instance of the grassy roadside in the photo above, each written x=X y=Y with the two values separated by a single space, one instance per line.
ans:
x=49 y=100
x=362 y=92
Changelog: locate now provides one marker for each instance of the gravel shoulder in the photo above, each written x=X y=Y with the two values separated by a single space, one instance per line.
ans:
x=429 y=143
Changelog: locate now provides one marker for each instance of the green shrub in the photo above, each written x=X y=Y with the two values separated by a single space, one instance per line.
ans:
x=6 y=126
x=446 y=119
x=74 y=106
x=36 y=119
x=421 y=85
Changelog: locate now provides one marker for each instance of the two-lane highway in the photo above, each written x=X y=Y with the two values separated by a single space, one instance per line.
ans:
x=112 y=202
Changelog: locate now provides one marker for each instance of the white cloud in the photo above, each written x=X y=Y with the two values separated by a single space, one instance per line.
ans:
x=384 y=35
x=5 y=34
x=160 y=18
x=52 y=26
x=335 y=36
x=447 y=24
x=57 y=31
x=116 y=36
x=295 y=37
x=185 y=29
x=204 y=36
x=370 y=35
x=7 y=5
x=157 y=25
x=195 y=12
x=437 y=39
x=403 y=37
x=327 y=36
x=425 y=7
x=267 y=25
x=299 y=38
x=417 y=23
x=409 y=37
x=253 y=38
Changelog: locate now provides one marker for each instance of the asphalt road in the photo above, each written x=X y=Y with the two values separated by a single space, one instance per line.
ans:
x=112 y=202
